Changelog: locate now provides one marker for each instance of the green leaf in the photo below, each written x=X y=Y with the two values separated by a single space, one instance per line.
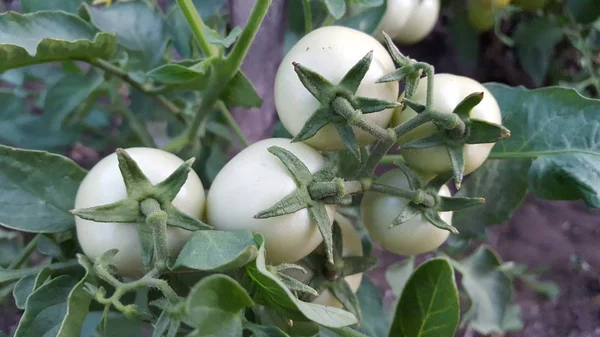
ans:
x=78 y=302
x=375 y=322
x=584 y=11
x=272 y=292
x=11 y=244
x=488 y=287
x=64 y=96
x=535 y=41
x=71 y=6
x=215 y=305
x=548 y=124
x=464 y=39
x=346 y=332
x=49 y=247
x=337 y=8
x=299 y=172
x=117 y=325
x=138 y=27
x=38 y=190
x=27 y=285
x=366 y=21
x=178 y=74
x=49 y=36
x=214 y=38
x=429 y=303
x=241 y=92
x=499 y=203
x=398 y=274
x=217 y=250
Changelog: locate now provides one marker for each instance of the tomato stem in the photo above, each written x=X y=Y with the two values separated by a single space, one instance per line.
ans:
x=307 y=16
x=156 y=218
x=232 y=123
x=197 y=26
x=25 y=253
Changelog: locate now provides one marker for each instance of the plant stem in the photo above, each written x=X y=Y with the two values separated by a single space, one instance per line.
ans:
x=328 y=21
x=429 y=71
x=116 y=71
x=221 y=76
x=25 y=253
x=20 y=273
x=232 y=123
x=307 y=16
x=392 y=158
x=196 y=24
x=156 y=219
x=137 y=125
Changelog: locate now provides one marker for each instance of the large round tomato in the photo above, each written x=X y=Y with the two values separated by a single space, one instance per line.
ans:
x=396 y=15
x=352 y=246
x=255 y=180
x=420 y=23
x=448 y=91
x=104 y=185
x=481 y=13
x=332 y=51
x=415 y=236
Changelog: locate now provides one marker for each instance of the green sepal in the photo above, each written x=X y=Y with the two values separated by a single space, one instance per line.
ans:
x=313 y=124
x=434 y=139
x=434 y=218
x=295 y=285
x=300 y=173
x=177 y=218
x=435 y=184
x=289 y=266
x=411 y=83
x=458 y=163
x=318 y=213
x=103 y=260
x=463 y=109
x=413 y=181
x=417 y=107
x=291 y=203
x=135 y=180
x=396 y=75
x=342 y=291
x=446 y=204
x=349 y=140
x=122 y=211
x=358 y=264
x=343 y=201
x=408 y=212
x=330 y=170
x=351 y=81
x=316 y=84
x=168 y=188
x=338 y=243
x=369 y=105
x=397 y=56
x=484 y=132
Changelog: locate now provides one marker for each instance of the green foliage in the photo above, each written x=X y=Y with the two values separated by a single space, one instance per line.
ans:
x=40 y=203
x=429 y=303
x=71 y=6
x=49 y=36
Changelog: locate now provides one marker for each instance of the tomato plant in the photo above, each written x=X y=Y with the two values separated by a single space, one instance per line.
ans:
x=193 y=225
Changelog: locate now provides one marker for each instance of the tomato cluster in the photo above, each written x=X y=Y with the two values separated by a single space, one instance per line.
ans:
x=255 y=179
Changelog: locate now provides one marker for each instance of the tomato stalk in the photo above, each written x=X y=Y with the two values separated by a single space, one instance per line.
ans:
x=196 y=25
x=307 y=16
x=221 y=73
x=156 y=218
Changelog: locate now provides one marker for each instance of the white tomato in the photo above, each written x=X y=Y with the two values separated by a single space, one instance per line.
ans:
x=255 y=180
x=332 y=51
x=104 y=185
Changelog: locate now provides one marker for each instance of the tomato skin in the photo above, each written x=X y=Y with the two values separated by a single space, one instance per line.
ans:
x=481 y=13
x=352 y=246
x=448 y=91
x=104 y=185
x=420 y=23
x=255 y=180
x=416 y=236
x=396 y=15
x=331 y=51
x=531 y=5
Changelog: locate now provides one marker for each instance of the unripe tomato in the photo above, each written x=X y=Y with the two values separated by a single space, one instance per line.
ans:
x=332 y=51
x=396 y=15
x=531 y=5
x=104 y=185
x=420 y=23
x=415 y=236
x=481 y=13
x=448 y=91
x=352 y=246
x=255 y=180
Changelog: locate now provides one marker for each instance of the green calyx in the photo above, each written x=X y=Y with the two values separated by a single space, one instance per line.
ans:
x=425 y=201
x=339 y=104
x=455 y=130
x=409 y=71
x=149 y=207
